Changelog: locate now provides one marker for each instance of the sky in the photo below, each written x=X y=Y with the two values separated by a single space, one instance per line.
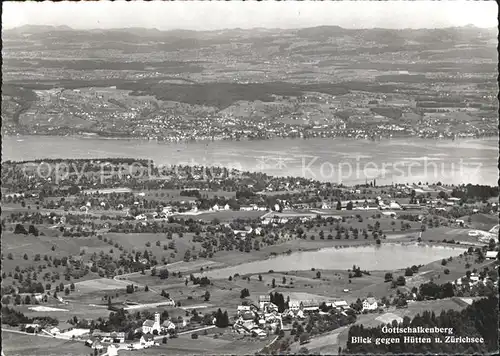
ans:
x=212 y=15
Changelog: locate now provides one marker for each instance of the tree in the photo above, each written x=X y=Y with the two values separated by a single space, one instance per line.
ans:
x=146 y=289
x=207 y=296
x=164 y=273
x=408 y=272
x=349 y=205
x=260 y=278
x=388 y=277
x=72 y=287
x=33 y=230
x=401 y=281
x=19 y=229
x=66 y=291
x=304 y=338
x=318 y=275
x=339 y=205
x=274 y=283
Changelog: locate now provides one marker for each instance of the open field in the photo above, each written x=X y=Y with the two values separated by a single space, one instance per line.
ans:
x=228 y=343
x=100 y=284
x=456 y=266
x=19 y=344
x=19 y=244
x=138 y=241
x=481 y=221
x=435 y=306
x=67 y=311
x=326 y=344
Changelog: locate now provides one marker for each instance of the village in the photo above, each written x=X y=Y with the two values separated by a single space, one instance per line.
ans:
x=192 y=262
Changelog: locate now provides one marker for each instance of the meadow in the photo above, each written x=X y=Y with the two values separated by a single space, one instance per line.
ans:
x=20 y=344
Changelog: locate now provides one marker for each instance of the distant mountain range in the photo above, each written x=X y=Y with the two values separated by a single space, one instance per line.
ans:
x=381 y=35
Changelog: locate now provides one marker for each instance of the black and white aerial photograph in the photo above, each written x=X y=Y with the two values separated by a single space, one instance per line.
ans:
x=191 y=178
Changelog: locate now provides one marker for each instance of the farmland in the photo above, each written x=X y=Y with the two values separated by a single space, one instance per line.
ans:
x=110 y=260
x=20 y=344
x=208 y=345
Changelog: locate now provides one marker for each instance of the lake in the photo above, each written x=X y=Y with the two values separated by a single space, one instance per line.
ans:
x=335 y=160
x=371 y=258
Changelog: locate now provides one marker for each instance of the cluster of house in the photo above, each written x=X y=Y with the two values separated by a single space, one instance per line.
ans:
x=475 y=279
x=258 y=320
x=99 y=340
x=248 y=230
x=253 y=207
x=388 y=204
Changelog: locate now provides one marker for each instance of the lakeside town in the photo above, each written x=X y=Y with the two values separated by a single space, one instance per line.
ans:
x=432 y=83
x=164 y=261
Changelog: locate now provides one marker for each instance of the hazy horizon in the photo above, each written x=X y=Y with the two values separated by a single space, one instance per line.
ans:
x=212 y=16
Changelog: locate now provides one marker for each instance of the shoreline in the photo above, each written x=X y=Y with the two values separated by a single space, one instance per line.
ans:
x=205 y=140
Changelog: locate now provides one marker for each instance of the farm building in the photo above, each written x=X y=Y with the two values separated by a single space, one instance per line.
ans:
x=491 y=255
x=370 y=304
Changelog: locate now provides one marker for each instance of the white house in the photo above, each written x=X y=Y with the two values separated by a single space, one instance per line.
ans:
x=394 y=206
x=151 y=325
x=226 y=207
x=370 y=304
x=147 y=340
x=112 y=351
x=264 y=300
x=340 y=304
x=309 y=306
x=474 y=278
x=35 y=327
x=243 y=308
x=294 y=305
x=168 y=325
x=54 y=331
